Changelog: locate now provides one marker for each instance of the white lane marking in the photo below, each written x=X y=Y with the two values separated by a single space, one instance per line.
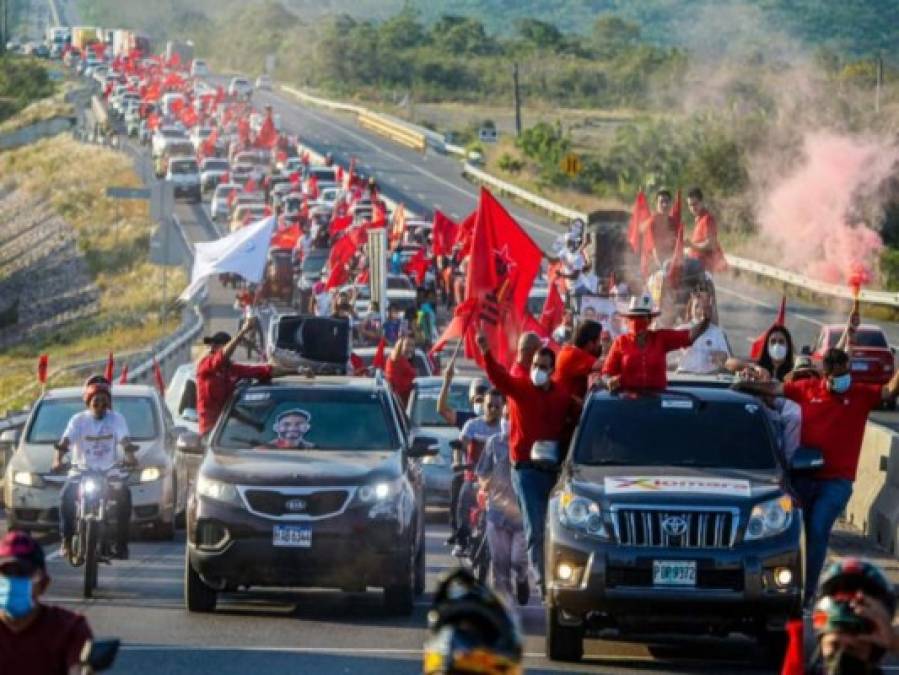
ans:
x=424 y=172
x=52 y=555
x=288 y=650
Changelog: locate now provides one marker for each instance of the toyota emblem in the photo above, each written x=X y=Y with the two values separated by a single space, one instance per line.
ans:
x=674 y=526
x=295 y=505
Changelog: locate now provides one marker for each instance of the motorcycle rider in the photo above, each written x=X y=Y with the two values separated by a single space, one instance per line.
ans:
x=93 y=436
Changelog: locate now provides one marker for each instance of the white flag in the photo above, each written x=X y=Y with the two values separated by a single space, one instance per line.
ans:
x=243 y=252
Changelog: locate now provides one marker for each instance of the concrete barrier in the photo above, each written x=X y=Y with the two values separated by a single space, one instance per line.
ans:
x=874 y=506
x=35 y=132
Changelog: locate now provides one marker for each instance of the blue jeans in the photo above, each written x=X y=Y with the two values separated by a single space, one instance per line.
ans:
x=532 y=488
x=822 y=503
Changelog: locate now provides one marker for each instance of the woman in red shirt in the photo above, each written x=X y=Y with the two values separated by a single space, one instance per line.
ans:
x=638 y=359
x=399 y=371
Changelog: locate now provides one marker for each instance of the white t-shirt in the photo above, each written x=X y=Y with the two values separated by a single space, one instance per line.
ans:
x=697 y=358
x=94 y=442
x=572 y=262
x=323 y=303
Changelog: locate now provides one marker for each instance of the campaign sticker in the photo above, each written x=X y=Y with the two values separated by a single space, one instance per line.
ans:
x=677 y=403
x=617 y=485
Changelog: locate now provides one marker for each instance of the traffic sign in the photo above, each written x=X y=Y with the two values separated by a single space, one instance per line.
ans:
x=571 y=165
x=127 y=193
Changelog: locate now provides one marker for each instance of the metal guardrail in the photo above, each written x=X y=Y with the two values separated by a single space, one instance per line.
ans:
x=323 y=102
x=395 y=132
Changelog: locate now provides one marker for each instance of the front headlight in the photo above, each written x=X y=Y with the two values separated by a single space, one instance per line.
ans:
x=378 y=492
x=582 y=514
x=149 y=474
x=26 y=478
x=769 y=518
x=218 y=490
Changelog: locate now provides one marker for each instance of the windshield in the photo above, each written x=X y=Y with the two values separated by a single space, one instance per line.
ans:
x=863 y=338
x=295 y=419
x=184 y=167
x=398 y=283
x=53 y=415
x=215 y=165
x=424 y=405
x=672 y=430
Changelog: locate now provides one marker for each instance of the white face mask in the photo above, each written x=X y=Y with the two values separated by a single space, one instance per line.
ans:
x=539 y=377
x=504 y=426
x=778 y=351
x=478 y=408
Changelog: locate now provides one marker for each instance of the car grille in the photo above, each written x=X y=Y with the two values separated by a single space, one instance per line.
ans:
x=641 y=577
x=315 y=504
x=674 y=528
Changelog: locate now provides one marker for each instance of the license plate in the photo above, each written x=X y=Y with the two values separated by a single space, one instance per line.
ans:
x=859 y=366
x=674 y=572
x=297 y=536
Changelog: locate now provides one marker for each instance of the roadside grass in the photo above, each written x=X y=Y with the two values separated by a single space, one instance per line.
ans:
x=114 y=238
x=41 y=110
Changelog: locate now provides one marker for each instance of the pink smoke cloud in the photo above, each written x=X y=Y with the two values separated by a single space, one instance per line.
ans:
x=812 y=216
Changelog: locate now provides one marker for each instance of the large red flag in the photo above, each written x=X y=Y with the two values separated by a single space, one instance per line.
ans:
x=123 y=376
x=444 y=232
x=418 y=266
x=639 y=215
x=463 y=317
x=341 y=253
x=157 y=375
x=110 y=367
x=464 y=234
x=380 y=360
x=339 y=224
x=758 y=345
x=553 y=309
x=43 y=363
x=286 y=238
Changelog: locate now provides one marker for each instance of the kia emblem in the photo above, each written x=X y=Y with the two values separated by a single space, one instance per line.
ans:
x=295 y=505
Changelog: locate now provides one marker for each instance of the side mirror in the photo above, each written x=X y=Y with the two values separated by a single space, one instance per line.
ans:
x=9 y=437
x=100 y=654
x=189 y=443
x=424 y=446
x=806 y=459
x=190 y=415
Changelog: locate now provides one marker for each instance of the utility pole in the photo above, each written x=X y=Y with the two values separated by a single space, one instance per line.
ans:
x=4 y=25
x=879 y=84
x=516 y=99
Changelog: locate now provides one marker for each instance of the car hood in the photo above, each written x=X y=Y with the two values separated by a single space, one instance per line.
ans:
x=38 y=458
x=635 y=484
x=301 y=467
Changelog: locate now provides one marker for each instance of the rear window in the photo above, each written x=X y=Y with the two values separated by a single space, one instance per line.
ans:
x=398 y=283
x=424 y=405
x=184 y=166
x=53 y=415
x=297 y=419
x=863 y=338
x=326 y=174
x=215 y=165
x=670 y=430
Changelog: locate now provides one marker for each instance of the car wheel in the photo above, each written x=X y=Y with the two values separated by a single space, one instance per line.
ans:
x=198 y=597
x=400 y=598
x=774 y=646
x=420 y=570
x=563 y=643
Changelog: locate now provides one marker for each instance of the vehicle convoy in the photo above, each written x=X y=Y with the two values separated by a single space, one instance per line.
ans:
x=673 y=514
x=31 y=490
x=290 y=495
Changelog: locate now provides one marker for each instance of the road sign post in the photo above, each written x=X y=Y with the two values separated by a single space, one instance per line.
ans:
x=571 y=165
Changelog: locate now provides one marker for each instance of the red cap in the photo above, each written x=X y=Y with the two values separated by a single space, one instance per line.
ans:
x=19 y=547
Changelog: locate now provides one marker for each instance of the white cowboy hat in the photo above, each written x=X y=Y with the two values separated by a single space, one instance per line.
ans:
x=641 y=305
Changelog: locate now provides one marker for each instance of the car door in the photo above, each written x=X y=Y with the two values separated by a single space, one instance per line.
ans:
x=413 y=467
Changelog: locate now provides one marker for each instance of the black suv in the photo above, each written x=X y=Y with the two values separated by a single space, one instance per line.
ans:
x=308 y=483
x=673 y=514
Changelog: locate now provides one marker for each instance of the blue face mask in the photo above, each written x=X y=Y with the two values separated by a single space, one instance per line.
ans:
x=841 y=383
x=15 y=596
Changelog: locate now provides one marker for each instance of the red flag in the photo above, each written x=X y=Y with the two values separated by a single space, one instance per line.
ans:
x=268 y=135
x=364 y=277
x=677 y=260
x=209 y=145
x=553 y=309
x=43 y=363
x=286 y=238
x=250 y=186
x=110 y=367
x=357 y=364
x=639 y=215
x=175 y=61
x=294 y=177
x=339 y=224
x=444 y=233
x=380 y=360
x=464 y=234
x=418 y=266
x=157 y=375
x=312 y=187
x=794 y=660
x=378 y=215
x=758 y=345
x=341 y=253
x=123 y=376
x=463 y=316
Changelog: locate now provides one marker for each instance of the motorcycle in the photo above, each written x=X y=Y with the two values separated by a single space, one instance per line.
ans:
x=477 y=549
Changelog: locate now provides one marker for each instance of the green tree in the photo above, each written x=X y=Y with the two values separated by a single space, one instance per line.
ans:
x=461 y=35
x=540 y=34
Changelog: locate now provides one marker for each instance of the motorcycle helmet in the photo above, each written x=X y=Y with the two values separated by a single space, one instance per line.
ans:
x=94 y=385
x=470 y=630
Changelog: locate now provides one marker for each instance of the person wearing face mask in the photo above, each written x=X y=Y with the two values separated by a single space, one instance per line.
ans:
x=539 y=410
x=834 y=414
x=638 y=359
x=34 y=637
x=575 y=361
x=710 y=351
x=528 y=344
x=505 y=532
x=474 y=436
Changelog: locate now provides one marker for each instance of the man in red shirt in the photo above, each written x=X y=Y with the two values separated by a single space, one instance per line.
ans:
x=663 y=228
x=834 y=414
x=704 y=244
x=539 y=410
x=575 y=361
x=217 y=375
x=638 y=359
x=399 y=371
x=34 y=637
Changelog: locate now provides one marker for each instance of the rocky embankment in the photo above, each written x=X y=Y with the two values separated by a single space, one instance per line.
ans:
x=44 y=281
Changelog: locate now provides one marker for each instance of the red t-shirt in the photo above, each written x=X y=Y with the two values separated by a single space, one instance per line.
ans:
x=706 y=228
x=49 y=646
x=518 y=370
x=834 y=423
x=573 y=366
x=216 y=379
x=644 y=368
x=400 y=373
x=534 y=414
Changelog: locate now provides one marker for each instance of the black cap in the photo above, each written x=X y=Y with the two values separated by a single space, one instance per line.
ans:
x=220 y=338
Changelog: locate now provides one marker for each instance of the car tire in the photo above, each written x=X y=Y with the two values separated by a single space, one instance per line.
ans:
x=774 y=646
x=563 y=643
x=198 y=597
x=400 y=598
